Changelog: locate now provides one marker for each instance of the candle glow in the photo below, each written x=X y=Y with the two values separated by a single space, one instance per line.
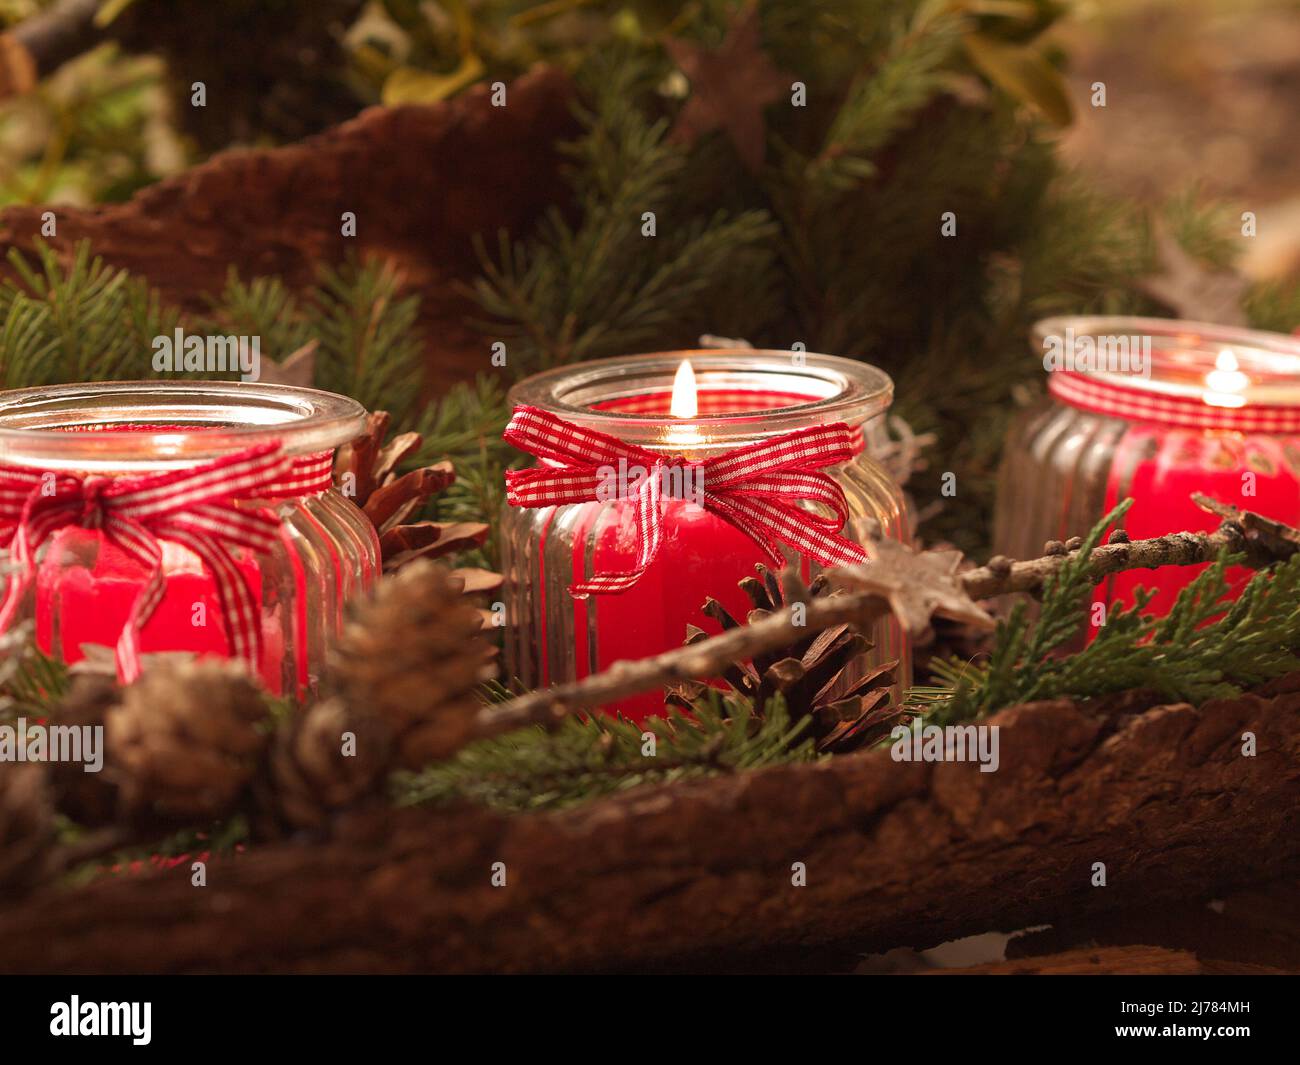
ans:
x=1225 y=383
x=685 y=404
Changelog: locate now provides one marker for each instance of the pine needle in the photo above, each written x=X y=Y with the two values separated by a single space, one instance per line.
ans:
x=584 y=758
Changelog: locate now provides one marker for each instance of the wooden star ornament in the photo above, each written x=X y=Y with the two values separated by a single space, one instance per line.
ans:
x=917 y=585
x=298 y=368
x=1192 y=290
x=730 y=87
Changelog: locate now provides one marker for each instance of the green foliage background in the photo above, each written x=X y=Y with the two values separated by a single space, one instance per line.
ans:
x=914 y=108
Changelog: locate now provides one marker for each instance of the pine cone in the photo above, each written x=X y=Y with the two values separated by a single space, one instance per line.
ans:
x=26 y=826
x=186 y=737
x=366 y=471
x=810 y=673
x=90 y=799
x=311 y=775
x=411 y=655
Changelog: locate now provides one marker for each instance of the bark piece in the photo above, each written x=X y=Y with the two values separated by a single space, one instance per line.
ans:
x=422 y=181
x=690 y=875
x=1108 y=961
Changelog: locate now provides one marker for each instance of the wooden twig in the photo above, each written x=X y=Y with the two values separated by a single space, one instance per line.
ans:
x=44 y=42
x=707 y=658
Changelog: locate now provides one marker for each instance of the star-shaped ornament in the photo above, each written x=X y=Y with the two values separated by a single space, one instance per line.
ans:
x=917 y=585
x=730 y=87
x=297 y=369
x=1192 y=291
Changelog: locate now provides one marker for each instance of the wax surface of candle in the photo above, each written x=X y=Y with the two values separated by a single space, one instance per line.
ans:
x=89 y=585
x=1161 y=467
x=701 y=556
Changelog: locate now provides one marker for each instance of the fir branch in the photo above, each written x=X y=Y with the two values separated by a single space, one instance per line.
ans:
x=467 y=418
x=262 y=307
x=1274 y=305
x=600 y=287
x=883 y=101
x=99 y=322
x=588 y=757
x=126 y=850
x=369 y=347
x=31 y=682
x=25 y=343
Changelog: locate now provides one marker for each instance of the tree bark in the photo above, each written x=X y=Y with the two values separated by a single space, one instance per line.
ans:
x=1112 y=961
x=422 y=182
x=693 y=876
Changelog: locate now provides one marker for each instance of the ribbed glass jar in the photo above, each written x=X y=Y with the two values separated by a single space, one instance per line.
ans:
x=1155 y=409
x=327 y=550
x=745 y=396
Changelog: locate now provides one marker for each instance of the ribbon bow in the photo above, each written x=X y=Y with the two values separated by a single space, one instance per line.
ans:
x=754 y=488
x=194 y=507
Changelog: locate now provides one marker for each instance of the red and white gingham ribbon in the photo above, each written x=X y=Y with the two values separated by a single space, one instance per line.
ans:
x=1103 y=397
x=194 y=507
x=754 y=488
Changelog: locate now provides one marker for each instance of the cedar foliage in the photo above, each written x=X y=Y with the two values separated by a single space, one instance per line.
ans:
x=1207 y=647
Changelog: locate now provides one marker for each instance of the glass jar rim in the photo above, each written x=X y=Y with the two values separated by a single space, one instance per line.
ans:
x=839 y=390
x=1183 y=352
x=195 y=421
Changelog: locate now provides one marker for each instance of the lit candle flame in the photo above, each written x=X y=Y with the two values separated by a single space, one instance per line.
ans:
x=1225 y=383
x=685 y=395
x=685 y=404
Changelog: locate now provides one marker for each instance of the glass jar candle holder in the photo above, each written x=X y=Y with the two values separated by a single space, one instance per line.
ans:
x=105 y=487
x=1155 y=409
x=744 y=397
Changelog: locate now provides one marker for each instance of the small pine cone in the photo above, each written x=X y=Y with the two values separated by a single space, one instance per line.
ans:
x=186 y=738
x=311 y=772
x=26 y=826
x=412 y=656
x=88 y=798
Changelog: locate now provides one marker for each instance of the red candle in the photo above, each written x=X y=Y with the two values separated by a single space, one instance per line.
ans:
x=1154 y=410
x=181 y=517
x=743 y=398
x=702 y=555
x=91 y=602
x=1160 y=467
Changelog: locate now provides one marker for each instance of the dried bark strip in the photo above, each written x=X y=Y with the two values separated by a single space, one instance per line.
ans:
x=422 y=181
x=1107 y=961
x=688 y=875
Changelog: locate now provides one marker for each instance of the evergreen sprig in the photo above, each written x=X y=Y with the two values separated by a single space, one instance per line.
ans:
x=31 y=682
x=1206 y=647
x=263 y=307
x=601 y=286
x=583 y=758
x=79 y=320
x=882 y=100
x=465 y=426
x=368 y=344
x=369 y=347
